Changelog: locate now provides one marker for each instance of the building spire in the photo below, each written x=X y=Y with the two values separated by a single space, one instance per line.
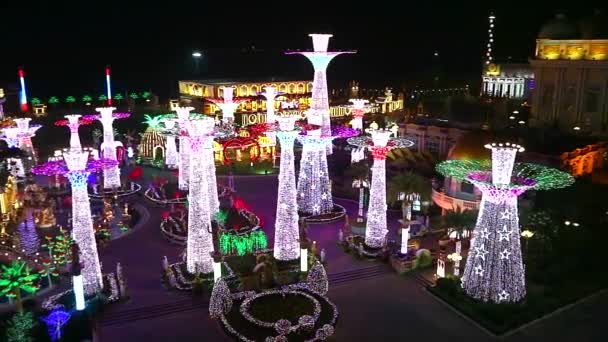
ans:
x=488 y=58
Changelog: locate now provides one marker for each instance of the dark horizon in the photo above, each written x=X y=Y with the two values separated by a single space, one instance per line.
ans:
x=64 y=49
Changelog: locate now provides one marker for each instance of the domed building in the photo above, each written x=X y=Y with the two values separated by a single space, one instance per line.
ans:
x=455 y=194
x=571 y=75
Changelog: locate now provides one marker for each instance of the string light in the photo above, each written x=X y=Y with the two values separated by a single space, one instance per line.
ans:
x=287 y=232
x=200 y=239
x=220 y=302
x=494 y=270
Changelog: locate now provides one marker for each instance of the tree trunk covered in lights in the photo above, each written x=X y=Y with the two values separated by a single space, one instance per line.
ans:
x=200 y=238
x=287 y=233
x=376 y=228
x=494 y=269
x=83 y=232
x=314 y=190
x=214 y=202
x=184 y=163
x=172 y=156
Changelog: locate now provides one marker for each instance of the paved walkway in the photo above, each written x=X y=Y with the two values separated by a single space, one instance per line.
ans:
x=375 y=304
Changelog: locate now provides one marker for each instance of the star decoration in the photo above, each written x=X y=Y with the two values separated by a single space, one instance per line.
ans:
x=478 y=270
x=316 y=208
x=504 y=215
x=481 y=252
x=484 y=233
x=324 y=196
x=504 y=255
x=504 y=234
x=503 y=295
x=301 y=194
x=303 y=176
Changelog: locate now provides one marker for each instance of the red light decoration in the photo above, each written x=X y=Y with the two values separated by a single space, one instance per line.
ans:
x=240 y=143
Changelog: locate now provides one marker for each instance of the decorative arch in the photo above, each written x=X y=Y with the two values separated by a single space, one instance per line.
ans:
x=241 y=142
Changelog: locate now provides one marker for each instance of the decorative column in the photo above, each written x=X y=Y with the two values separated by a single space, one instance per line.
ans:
x=200 y=238
x=210 y=177
x=286 y=229
x=314 y=189
x=358 y=110
x=111 y=176
x=74 y=123
x=82 y=223
x=380 y=143
x=270 y=93
x=318 y=114
x=183 y=115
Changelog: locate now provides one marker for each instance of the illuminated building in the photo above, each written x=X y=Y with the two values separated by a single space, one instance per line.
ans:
x=586 y=160
x=571 y=75
x=436 y=140
x=509 y=80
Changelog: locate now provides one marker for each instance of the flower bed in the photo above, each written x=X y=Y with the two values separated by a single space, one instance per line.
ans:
x=337 y=213
x=280 y=315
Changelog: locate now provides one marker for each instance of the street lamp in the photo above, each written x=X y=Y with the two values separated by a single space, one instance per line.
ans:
x=527 y=234
x=455 y=257
x=197 y=55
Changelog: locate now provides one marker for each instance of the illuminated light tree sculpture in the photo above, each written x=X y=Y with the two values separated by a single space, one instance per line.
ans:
x=314 y=189
x=228 y=103
x=270 y=93
x=318 y=114
x=77 y=167
x=358 y=110
x=183 y=115
x=494 y=270
x=200 y=238
x=73 y=122
x=287 y=231
x=380 y=143
x=111 y=176
x=25 y=132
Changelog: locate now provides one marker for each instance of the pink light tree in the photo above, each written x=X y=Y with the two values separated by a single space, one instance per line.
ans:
x=111 y=176
x=73 y=122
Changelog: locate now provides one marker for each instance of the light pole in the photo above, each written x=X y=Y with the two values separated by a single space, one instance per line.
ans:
x=456 y=257
x=527 y=234
x=196 y=55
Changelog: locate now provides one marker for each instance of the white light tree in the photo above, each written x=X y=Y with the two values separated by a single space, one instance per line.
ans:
x=172 y=156
x=111 y=176
x=286 y=229
x=200 y=238
x=358 y=111
x=380 y=143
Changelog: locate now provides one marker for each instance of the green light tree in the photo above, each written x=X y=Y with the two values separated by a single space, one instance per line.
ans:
x=87 y=98
x=36 y=101
x=146 y=94
x=53 y=100
x=134 y=96
x=14 y=279
x=49 y=270
x=118 y=97
x=70 y=99
x=102 y=98
x=20 y=328
x=59 y=247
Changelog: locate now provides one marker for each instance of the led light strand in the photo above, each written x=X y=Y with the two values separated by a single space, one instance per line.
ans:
x=183 y=114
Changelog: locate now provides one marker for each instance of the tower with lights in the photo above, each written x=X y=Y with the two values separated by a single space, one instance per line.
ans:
x=490 y=44
x=494 y=270
x=200 y=238
x=320 y=58
x=379 y=143
x=111 y=176
x=287 y=232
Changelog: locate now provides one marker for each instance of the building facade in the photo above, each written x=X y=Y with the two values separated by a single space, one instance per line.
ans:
x=435 y=140
x=571 y=76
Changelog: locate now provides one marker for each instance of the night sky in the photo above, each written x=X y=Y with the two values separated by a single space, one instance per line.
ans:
x=64 y=48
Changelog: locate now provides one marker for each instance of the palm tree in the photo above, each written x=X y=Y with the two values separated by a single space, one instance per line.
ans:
x=102 y=98
x=70 y=100
x=153 y=122
x=87 y=99
x=360 y=174
x=15 y=278
x=53 y=100
x=407 y=187
x=118 y=97
x=35 y=101
x=461 y=221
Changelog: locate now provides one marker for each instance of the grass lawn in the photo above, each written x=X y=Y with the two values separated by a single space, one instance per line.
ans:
x=501 y=318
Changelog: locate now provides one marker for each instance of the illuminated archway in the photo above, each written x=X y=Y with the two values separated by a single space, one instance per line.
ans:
x=241 y=143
